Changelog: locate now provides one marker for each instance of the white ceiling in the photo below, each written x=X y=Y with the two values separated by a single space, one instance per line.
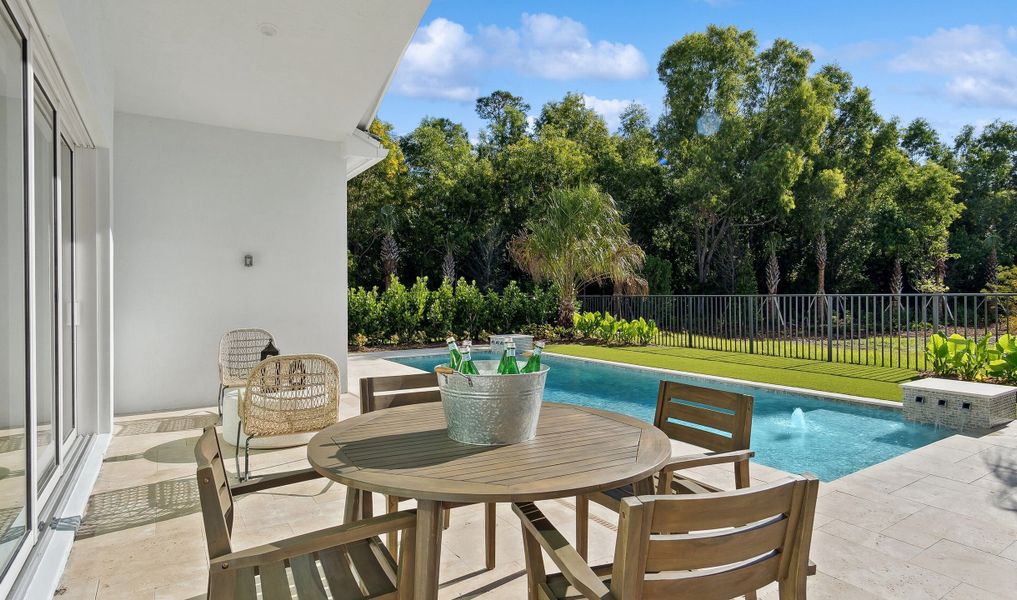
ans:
x=321 y=76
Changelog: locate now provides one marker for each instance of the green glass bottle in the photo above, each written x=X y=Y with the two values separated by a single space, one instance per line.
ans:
x=455 y=358
x=508 y=365
x=468 y=367
x=533 y=364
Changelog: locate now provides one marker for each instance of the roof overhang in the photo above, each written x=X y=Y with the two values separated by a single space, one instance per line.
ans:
x=308 y=68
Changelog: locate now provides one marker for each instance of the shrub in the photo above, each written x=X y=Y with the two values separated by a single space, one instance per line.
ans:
x=1003 y=359
x=606 y=328
x=420 y=315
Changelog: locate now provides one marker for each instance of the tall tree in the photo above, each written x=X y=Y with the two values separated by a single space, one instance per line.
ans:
x=375 y=200
x=771 y=114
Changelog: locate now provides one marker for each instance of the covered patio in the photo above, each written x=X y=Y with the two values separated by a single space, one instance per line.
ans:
x=933 y=523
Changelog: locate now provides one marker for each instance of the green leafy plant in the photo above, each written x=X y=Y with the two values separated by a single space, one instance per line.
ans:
x=958 y=356
x=1003 y=359
x=937 y=352
x=606 y=328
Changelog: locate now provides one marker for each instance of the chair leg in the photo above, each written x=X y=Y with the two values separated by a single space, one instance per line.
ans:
x=490 y=529
x=392 y=537
x=236 y=455
x=247 y=458
x=446 y=519
x=582 y=526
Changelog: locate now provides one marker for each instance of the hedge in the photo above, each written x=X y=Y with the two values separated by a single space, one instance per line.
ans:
x=419 y=315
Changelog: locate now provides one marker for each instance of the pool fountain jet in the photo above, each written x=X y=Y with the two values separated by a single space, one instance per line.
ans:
x=798 y=418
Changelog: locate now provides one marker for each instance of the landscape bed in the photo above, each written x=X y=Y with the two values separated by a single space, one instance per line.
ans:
x=829 y=438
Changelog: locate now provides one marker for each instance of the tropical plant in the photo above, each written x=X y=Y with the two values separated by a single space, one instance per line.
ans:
x=576 y=238
x=1003 y=359
x=958 y=356
x=606 y=328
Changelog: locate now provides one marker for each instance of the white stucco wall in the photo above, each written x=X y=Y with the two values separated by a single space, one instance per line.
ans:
x=191 y=200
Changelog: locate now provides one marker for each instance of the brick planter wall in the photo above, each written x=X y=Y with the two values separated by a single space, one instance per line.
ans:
x=943 y=401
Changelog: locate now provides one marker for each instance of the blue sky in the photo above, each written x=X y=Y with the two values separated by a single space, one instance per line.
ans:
x=952 y=62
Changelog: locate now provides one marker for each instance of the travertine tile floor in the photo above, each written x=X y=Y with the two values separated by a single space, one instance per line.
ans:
x=939 y=522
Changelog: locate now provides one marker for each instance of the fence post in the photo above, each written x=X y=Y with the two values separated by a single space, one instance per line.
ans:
x=829 y=328
x=752 y=324
x=935 y=312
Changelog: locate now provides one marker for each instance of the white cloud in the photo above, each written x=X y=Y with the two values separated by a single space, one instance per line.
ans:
x=978 y=65
x=440 y=62
x=609 y=108
x=444 y=61
x=552 y=47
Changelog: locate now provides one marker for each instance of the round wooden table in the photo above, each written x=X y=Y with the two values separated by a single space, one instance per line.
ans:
x=406 y=452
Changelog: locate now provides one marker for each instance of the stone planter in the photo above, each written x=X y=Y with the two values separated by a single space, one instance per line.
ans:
x=959 y=404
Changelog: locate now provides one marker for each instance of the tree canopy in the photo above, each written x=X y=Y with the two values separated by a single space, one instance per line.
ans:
x=760 y=158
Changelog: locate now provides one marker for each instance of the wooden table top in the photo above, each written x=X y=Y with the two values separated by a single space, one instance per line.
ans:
x=406 y=452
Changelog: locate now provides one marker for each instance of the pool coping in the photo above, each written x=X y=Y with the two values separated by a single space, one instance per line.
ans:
x=772 y=387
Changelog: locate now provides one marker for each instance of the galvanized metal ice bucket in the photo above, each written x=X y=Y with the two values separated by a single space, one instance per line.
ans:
x=490 y=409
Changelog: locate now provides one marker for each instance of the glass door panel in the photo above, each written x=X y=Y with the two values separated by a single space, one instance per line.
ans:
x=45 y=286
x=13 y=347
x=68 y=315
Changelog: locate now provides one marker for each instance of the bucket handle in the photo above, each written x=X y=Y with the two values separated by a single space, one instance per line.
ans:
x=446 y=371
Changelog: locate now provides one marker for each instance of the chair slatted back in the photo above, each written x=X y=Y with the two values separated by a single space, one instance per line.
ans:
x=683 y=411
x=240 y=351
x=214 y=494
x=377 y=393
x=718 y=545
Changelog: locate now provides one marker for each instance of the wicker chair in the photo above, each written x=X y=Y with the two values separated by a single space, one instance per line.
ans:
x=239 y=351
x=287 y=394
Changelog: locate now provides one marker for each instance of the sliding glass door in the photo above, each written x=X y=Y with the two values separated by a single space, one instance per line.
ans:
x=68 y=305
x=13 y=292
x=46 y=298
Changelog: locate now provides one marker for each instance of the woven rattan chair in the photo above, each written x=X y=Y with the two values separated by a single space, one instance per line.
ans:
x=287 y=394
x=239 y=351
x=711 y=546
x=706 y=426
x=348 y=562
x=378 y=393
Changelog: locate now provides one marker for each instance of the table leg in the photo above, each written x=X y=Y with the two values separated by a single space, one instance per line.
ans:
x=352 y=511
x=428 y=559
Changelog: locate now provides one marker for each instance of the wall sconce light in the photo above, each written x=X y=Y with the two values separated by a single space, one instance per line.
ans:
x=248 y=260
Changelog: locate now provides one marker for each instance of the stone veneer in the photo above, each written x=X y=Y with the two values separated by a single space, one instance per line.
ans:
x=943 y=401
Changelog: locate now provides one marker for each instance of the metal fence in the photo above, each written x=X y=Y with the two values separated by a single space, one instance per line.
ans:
x=866 y=329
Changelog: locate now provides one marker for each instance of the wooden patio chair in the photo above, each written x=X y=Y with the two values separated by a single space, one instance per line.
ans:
x=349 y=560
x=239 y=352
x=295 y=393
x=706 y=426
x=711 y=546
x=377 y=393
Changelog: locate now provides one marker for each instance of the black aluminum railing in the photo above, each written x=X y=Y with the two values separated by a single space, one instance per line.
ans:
x=866 y=329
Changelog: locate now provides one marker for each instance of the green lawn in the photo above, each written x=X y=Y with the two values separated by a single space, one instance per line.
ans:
x=857 y=380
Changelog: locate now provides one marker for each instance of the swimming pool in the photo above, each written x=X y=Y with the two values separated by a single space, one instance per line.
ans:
x=834 y=438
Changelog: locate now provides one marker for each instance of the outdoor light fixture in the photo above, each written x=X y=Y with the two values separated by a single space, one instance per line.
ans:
x=268 y=29
x=248 y=260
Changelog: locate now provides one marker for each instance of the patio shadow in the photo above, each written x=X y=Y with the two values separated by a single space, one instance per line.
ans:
x=166 y=425
x=117 y=510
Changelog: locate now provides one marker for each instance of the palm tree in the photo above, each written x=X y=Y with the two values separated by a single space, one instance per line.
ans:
x=389 y=247
x=577 y=238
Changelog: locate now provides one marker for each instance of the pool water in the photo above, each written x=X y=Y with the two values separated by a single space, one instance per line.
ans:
x=827 y=438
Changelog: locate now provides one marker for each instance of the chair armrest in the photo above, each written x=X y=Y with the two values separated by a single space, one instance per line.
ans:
x=707 y=458
x=572 y=565
x=274 y=480
x=315 y=541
